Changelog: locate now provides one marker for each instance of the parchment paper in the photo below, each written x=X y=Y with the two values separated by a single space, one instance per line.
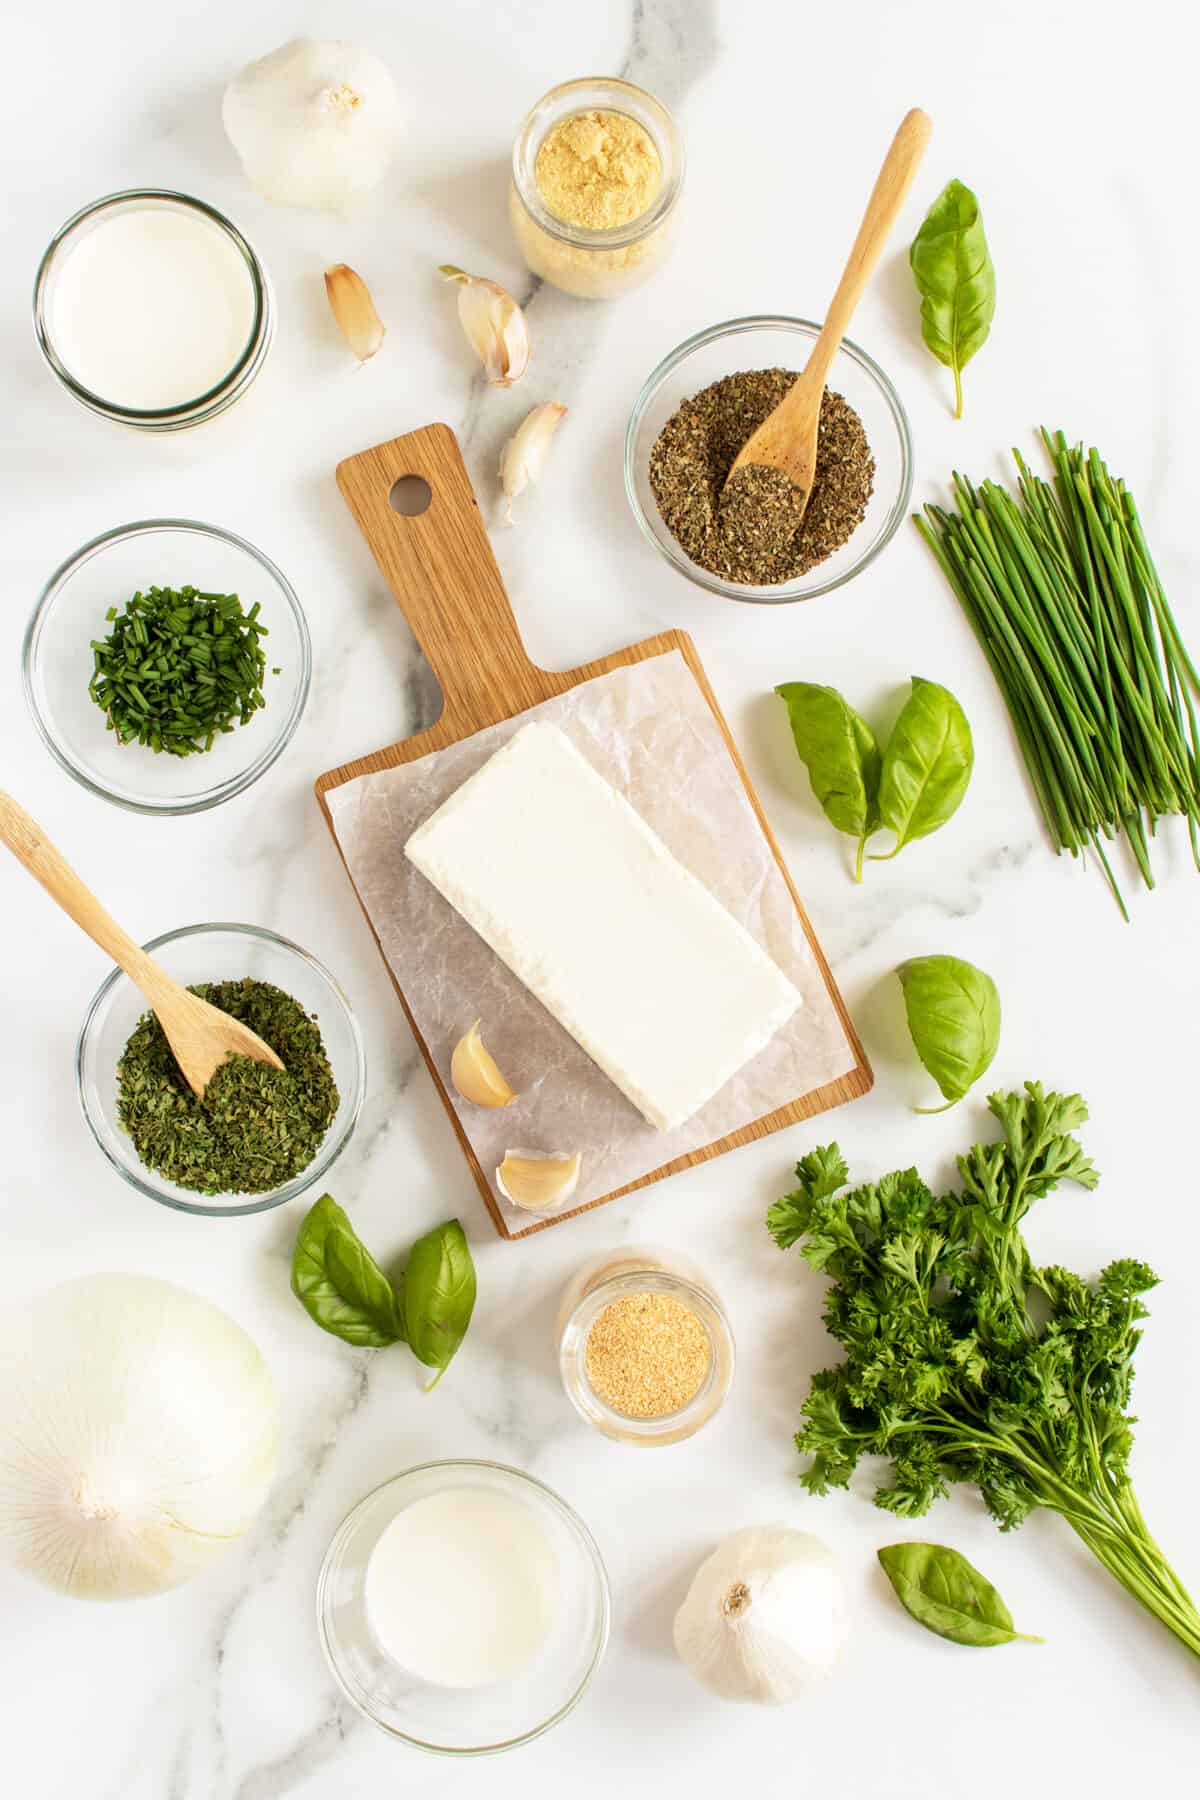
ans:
x=649 y=730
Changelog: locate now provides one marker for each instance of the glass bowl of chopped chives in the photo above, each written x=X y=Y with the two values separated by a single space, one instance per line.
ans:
x=692 y=416
x=167 y=664
x=265 y=1137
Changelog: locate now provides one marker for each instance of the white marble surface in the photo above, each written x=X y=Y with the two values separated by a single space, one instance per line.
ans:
x=1067 y=120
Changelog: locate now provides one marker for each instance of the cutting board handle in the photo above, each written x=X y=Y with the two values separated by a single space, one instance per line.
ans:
x=439 y=565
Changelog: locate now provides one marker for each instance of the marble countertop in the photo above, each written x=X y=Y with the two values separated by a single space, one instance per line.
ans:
x=219 y=1691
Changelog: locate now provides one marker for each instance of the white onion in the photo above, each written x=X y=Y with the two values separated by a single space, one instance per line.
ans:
x=138 y=1435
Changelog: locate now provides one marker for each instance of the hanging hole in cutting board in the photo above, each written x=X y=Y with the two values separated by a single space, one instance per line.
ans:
x=410 y=495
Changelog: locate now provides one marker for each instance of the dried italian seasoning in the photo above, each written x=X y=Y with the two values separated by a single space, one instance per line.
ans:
x=758 y=530
x=255 y=1127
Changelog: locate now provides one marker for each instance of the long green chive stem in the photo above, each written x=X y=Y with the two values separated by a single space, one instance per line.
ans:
x=1060 y=589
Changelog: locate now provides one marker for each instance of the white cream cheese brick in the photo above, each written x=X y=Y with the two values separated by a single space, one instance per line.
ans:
x=667 y=993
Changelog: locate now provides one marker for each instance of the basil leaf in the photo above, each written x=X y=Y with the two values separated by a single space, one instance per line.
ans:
x=339 y=1283
x=439 y=1295
x=838 y=749
x=926 y=765
x=953 y=271
x=943 y=1592
x=954 y=1019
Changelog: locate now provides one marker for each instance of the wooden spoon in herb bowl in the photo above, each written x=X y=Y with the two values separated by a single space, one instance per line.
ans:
x=201 y=1036
x=787 y=438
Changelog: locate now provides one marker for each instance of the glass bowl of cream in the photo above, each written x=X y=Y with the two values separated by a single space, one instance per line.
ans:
x=774 y=342
x=58 y=663
x=153 y=310
x=463 y=1607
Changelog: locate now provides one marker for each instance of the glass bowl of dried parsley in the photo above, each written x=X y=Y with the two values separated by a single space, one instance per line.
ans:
x=696 y=411
x=264 y=1137
x=167 y=665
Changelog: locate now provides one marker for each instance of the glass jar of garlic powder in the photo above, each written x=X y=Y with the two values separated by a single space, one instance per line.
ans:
x=597 y=170
x=645 y=1349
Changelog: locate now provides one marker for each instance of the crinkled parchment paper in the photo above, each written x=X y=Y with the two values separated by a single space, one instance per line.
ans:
x=648 y=729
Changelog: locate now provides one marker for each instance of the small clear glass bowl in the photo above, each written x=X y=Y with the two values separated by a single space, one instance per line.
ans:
x=764 y=342
x=632 y=1271
x=57 y=663
x=217 y=953
x=464 y=1721
x=231 y=386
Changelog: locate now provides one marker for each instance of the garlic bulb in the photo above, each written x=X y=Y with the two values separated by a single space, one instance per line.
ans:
x=493 y=324
x=522 y=457
x=765 y=1616
x=538 y=1181
x=138 y=1434
x=316 y=123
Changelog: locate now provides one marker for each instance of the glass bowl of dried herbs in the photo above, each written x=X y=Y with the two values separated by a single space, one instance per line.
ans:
x=264 y=1137
x=167 y=665
x=696 y=411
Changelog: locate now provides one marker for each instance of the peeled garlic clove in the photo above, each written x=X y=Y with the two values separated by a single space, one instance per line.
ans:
x=494 y=325
x=537 y=1181
x=522 y=457
x=354 y=310
x=474 y=1073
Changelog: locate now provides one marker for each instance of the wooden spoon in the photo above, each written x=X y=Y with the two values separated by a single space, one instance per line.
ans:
x=201 y=1036
x=787 y=437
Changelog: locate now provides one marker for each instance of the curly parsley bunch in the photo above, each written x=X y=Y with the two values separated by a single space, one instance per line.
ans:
x=965 y=1362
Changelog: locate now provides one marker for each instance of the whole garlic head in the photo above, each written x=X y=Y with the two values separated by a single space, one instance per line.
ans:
x=765 y=1617
x=316 y=123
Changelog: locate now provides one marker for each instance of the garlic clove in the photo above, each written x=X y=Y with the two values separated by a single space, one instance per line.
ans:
x=474 y=1073
x=494 y=325
x=538 y=1181
x=354 y=310
x=522 y=457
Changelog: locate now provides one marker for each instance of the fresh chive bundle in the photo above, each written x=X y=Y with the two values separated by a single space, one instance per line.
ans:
x=1063 y=595
x=179 y=666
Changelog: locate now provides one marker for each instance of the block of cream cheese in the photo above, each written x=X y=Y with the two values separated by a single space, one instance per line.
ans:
x=633 y=956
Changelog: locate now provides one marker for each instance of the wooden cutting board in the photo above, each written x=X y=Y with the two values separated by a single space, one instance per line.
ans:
x=440 y=567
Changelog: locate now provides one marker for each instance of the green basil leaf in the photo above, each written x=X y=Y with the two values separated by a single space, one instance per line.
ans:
x=953 y=271
x=954 y=1019
x=943 y=1592
x=926 y=765
x=838 y=749
x=439 y=1295
x=339 y=1283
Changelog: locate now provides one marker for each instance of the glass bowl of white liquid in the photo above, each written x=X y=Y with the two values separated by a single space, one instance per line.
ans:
x=58 y=663
x=463 y=1607
x=153 y=310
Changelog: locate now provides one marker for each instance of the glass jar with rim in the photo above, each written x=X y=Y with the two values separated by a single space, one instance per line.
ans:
x=634 y=1272
x=153 y=310
x=595 y=264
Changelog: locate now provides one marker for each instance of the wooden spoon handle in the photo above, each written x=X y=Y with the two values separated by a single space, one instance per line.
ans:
x=30 y=846
x=883 y=208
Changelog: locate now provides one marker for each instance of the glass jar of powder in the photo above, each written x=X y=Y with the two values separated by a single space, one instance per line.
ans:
x=644 y=1346
x=153 y=310
x=597 y=170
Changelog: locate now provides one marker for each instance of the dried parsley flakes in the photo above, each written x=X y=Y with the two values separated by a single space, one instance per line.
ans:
x=749 y=533
x=255 y=1127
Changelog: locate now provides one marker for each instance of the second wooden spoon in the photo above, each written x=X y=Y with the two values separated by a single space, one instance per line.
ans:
x=787 y=437
x=201 y=1036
